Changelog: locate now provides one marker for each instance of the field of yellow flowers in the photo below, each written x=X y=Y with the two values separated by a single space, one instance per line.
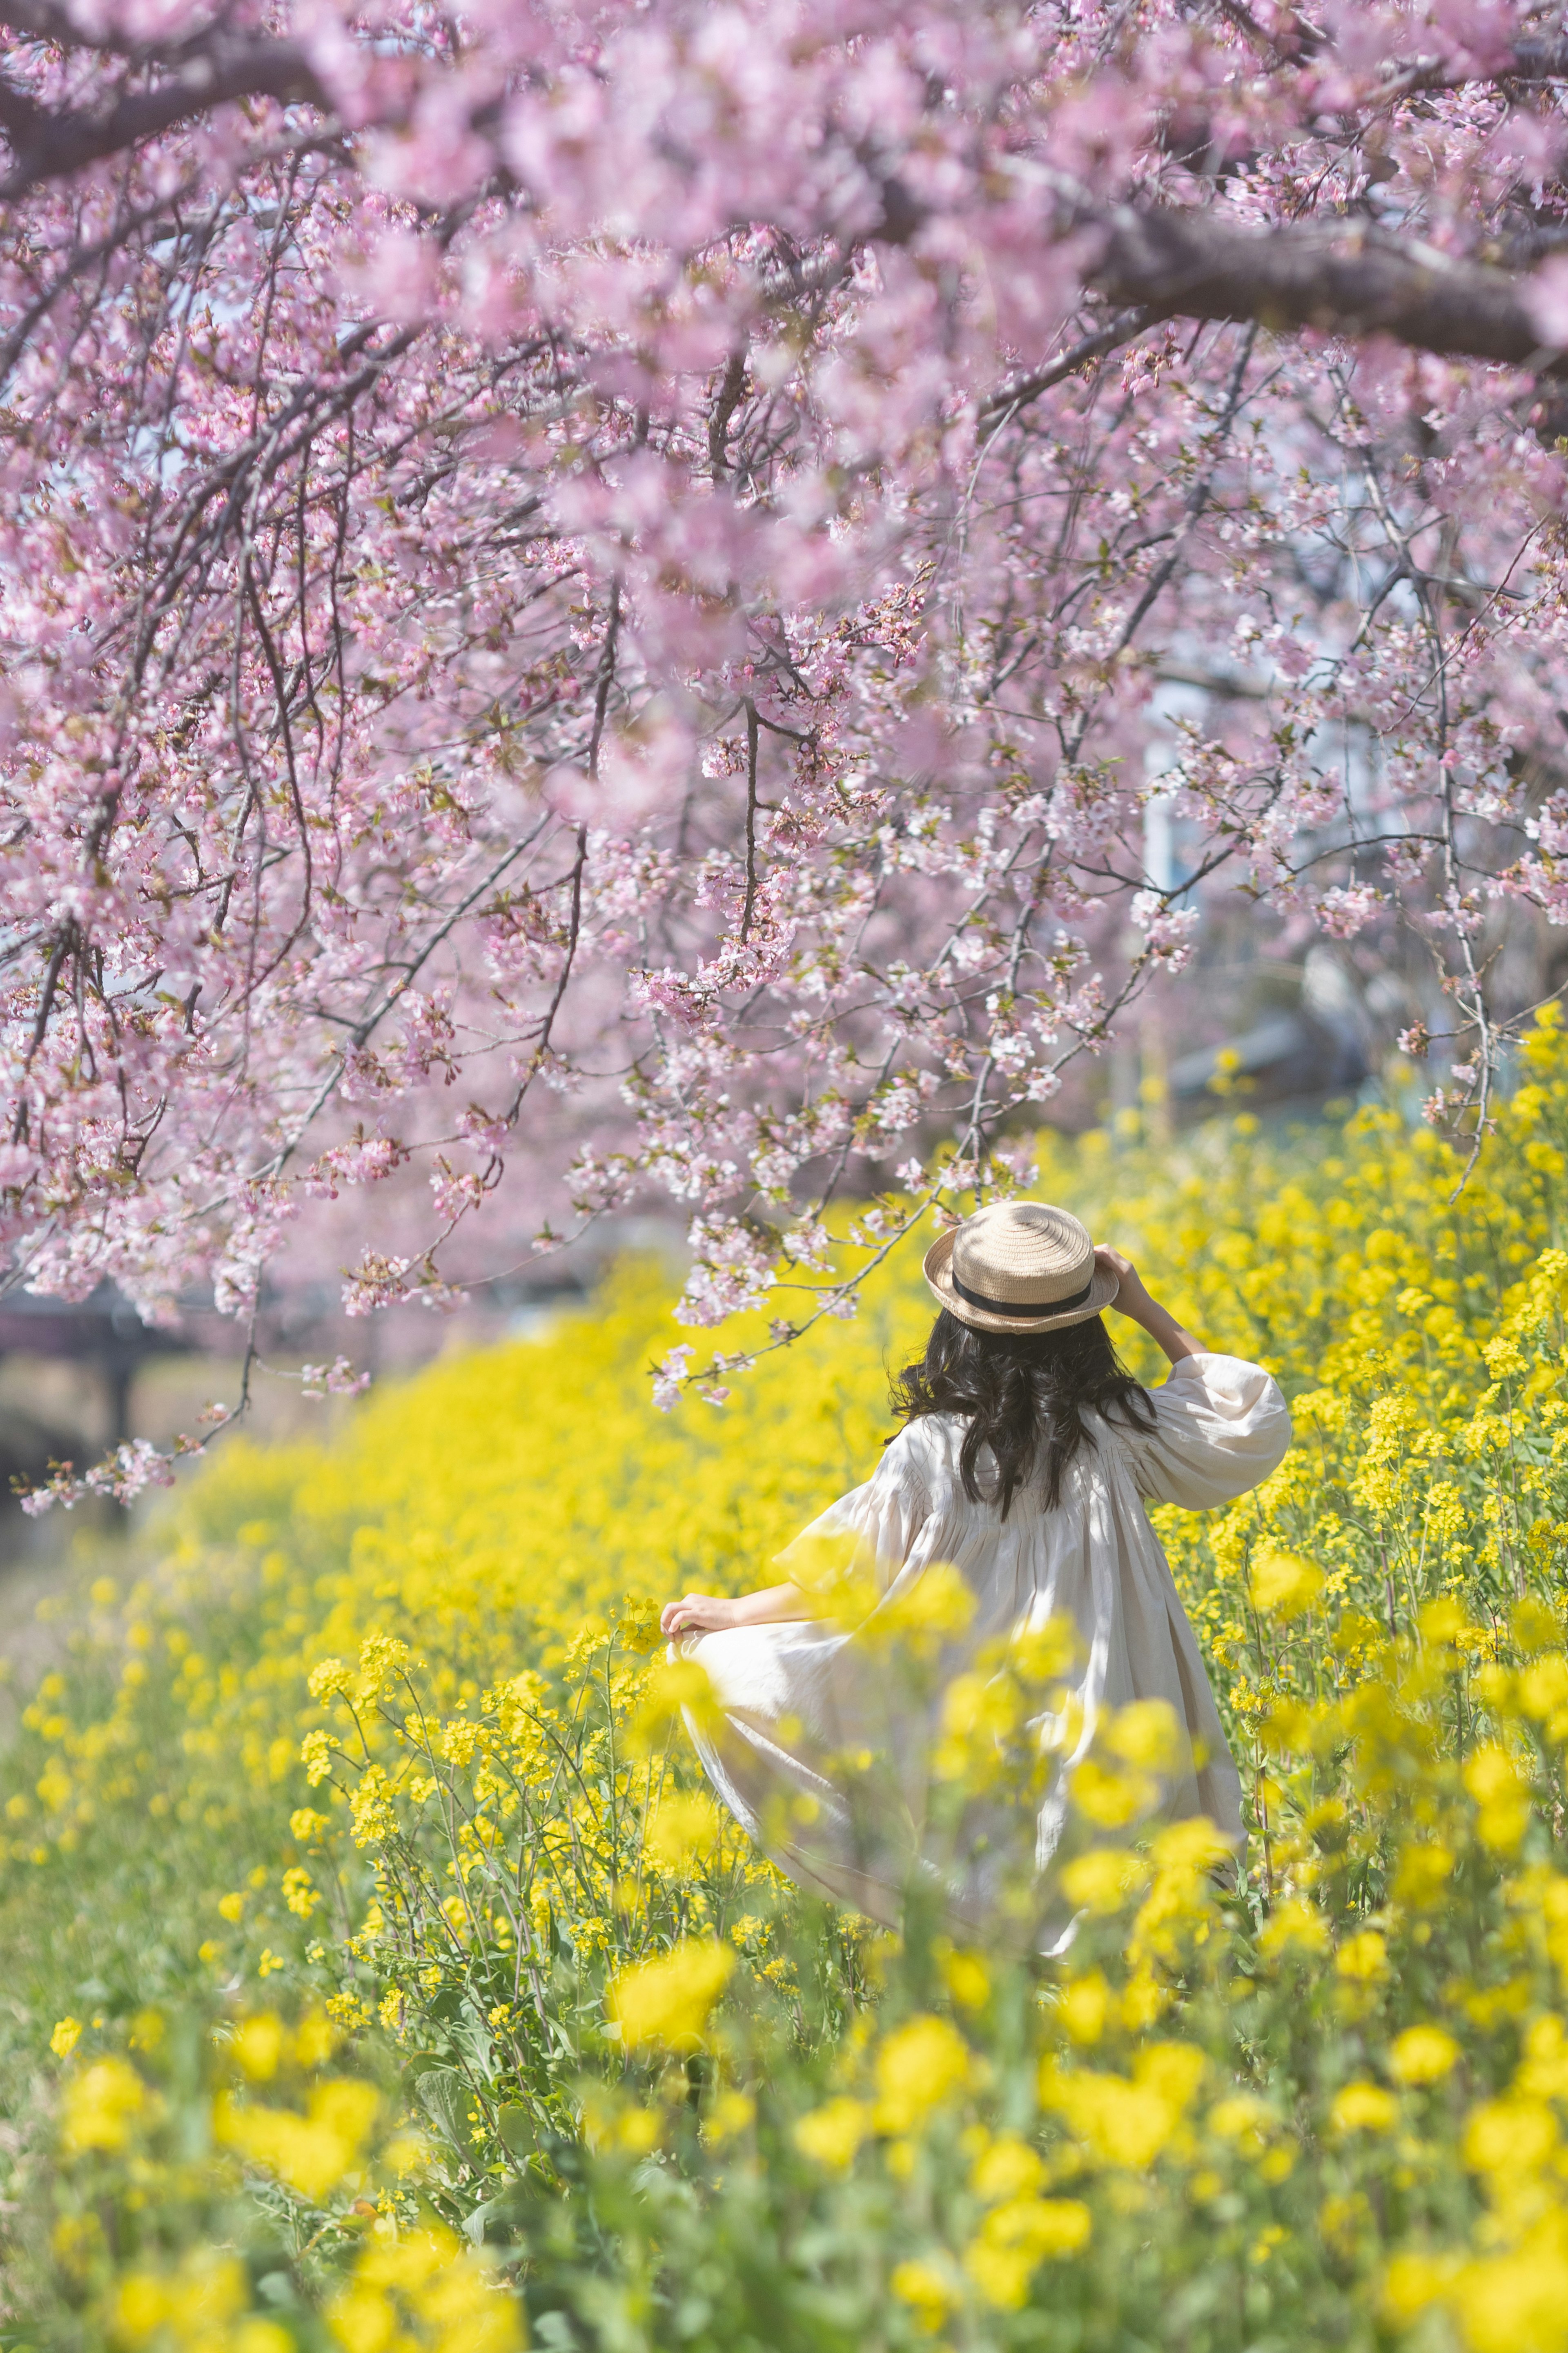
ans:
x=378 y=1978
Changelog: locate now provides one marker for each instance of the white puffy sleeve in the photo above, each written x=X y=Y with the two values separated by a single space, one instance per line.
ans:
x=1221 y=1426
x=875 y=1526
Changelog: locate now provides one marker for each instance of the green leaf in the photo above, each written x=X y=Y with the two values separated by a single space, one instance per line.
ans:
x=446 y=2100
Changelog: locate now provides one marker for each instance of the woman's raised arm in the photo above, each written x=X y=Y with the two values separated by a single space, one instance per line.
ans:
x=1133 y=1300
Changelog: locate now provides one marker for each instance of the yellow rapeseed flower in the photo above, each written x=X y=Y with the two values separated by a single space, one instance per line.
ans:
x=1509 y=2302
x=1046 y=1650
x=507 y=1785
x=315 y=2039
x=1006 y=2167
x=1016 y=2237
x=1127 y=2122
x=1111 y=1800
x=1442 y=1621
x=923 y=1616
x=918 y=2066
x=1146 y=1734
x=1084 y=2006
x=1544 y=1694
x=1244 y=2119
x=667 y=2001
x=965 y=1975
x=1363 y=2107
x=1493 y=1778
x=1422 y=1873
x=928 y=2289
x=1363 y=1957
x=1543 y=2072
x=1422 y=2054
x=311 y=2153
x=832 y=2135
x=1103 y=1879
x=424 y=2288
x=684 y=1828
x=614 y=2126
x=370 y=1806
x=1510 y=2138
x=1415 y=2281
x=673 y=1689
x=1295 y=1924
x=260 y=2045
x=1191 y=1845
x=101 y=2105
x=1282 y=1584
x=196 y=2303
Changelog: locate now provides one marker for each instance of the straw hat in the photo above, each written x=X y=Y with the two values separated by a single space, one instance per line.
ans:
x=1019 y=1266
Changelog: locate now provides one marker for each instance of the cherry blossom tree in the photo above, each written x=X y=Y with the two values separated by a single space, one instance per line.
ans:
x=590 y=596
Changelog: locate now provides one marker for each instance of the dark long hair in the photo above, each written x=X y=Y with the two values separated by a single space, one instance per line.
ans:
x=1023 y=1394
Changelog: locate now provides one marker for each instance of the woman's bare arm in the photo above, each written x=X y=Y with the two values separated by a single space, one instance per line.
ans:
x=712 y=1613
x=1133 y=1300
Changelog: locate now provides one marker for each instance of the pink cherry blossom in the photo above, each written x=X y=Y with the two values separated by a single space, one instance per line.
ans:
x=693 y=605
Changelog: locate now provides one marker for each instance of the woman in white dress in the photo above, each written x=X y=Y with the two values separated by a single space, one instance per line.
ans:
x=1025 y=1457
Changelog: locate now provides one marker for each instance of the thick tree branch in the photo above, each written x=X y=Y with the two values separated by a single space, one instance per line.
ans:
x=1344 y=277
x=48 y=146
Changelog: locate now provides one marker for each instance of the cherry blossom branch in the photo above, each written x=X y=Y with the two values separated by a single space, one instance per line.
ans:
x=384 y=513
x=1343 y=277
x=212 y=70
x=1007 y=400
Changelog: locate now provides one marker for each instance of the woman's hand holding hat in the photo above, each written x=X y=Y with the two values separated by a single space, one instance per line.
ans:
x=1133 y=1301
x=1116 y=1263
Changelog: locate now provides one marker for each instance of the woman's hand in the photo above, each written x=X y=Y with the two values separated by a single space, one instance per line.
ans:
x=1132 y=1300
x=712 y=1613
x=1130 y=1293
x=697 y=1613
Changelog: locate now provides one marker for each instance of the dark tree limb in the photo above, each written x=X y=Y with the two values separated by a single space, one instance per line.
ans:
x=1345 y=278
x=1016 y=394
x=211 y=72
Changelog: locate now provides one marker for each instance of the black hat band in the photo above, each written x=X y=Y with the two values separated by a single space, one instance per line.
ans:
x=1018 y=1306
